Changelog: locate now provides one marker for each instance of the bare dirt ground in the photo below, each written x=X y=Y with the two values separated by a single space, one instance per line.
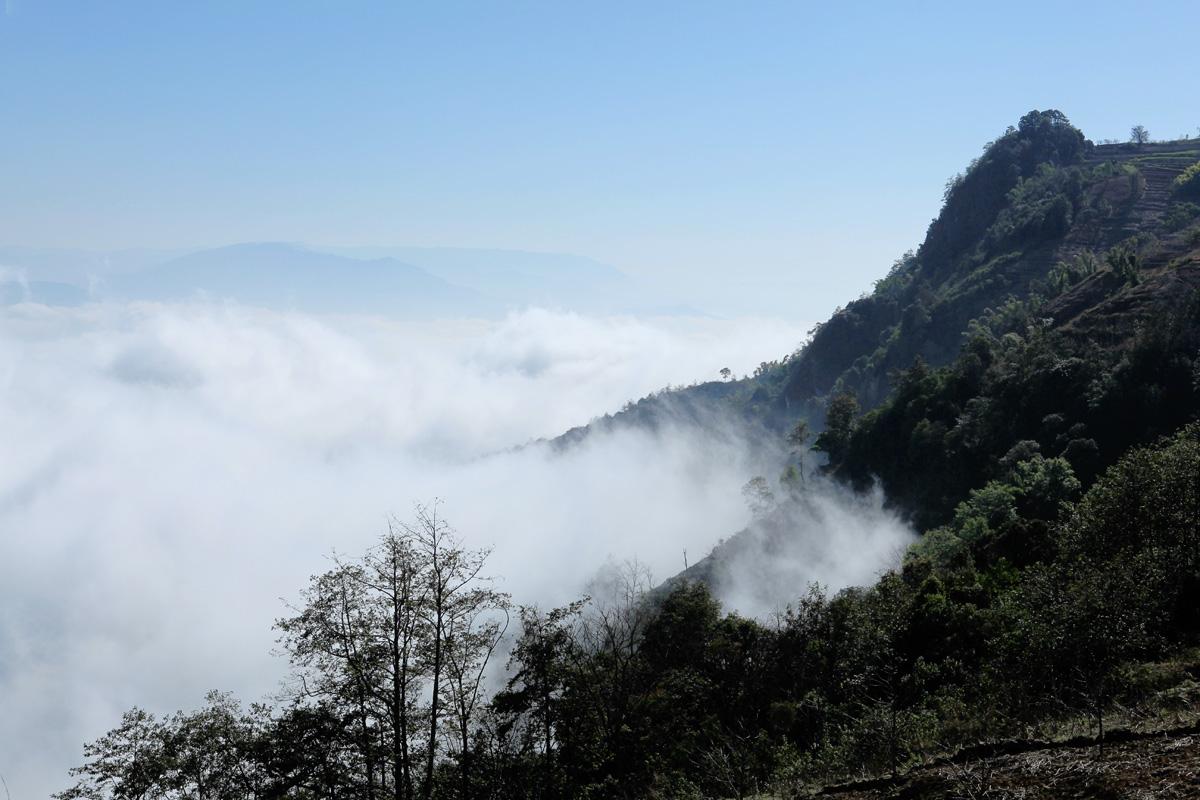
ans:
x=1136 y=766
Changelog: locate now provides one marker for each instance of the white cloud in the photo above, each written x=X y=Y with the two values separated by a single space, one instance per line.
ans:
x=828 y=536
x=172 y=471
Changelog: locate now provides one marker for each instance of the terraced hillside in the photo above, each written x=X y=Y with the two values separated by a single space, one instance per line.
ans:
x=1157 y=166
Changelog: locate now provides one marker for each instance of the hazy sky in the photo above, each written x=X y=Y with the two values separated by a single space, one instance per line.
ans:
x=795 y=147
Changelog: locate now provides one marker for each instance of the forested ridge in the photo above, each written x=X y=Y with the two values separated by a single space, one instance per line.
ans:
x=1024 y=387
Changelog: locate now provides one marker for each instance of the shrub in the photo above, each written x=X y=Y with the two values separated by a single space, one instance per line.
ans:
x=1180 y=216
x=1187 y=184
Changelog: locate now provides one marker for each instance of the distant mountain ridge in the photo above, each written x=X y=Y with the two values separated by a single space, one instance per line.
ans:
x=290 y=276
x=523 y=278
x=412 y=282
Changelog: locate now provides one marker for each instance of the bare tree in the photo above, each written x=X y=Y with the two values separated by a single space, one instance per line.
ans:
x=608 y=637
x=331 y=643
x=618 y=613
x=394 y=639
x=393 y=574
x=727 y=763
x=1139 y=135
x=453 y=586
x=472 y=638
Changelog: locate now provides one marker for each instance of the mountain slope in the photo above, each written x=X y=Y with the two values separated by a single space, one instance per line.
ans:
x=1066 y=326
x=49 y=293
x=1040 y=196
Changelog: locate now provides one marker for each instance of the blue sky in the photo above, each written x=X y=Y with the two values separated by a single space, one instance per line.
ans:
x=786 y=152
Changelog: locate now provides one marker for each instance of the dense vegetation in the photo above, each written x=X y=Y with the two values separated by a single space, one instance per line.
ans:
x=1025 y=387
x=1021 y=389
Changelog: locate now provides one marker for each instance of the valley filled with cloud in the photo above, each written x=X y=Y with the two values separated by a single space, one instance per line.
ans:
x=174 y=472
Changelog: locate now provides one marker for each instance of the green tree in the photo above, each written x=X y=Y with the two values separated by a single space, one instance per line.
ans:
x=130 y=761
x=758 y=496
x=213 y=753
x=839 y=425
x=541 y=663
x=1187 y=183
x=1123 y=261
x=398 y=642
x=797 y=440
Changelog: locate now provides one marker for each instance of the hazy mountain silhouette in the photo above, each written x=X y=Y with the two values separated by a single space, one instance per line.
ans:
x=281 y=275
x=397 y=281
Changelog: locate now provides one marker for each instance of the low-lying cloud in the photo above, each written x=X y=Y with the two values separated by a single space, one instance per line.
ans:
x=828 y=535
x=172 y=471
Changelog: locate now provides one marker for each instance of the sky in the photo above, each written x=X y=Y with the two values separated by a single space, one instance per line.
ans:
x=173 y=469
x=775 y=156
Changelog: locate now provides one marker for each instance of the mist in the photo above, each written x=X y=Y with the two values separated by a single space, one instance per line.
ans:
x=174 y=470
x=826 y=535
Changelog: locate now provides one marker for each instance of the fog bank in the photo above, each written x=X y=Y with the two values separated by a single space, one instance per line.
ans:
x=827 y=535
x=174 y=470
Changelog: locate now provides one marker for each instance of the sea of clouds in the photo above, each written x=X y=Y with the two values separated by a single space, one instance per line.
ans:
x=172 y=471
